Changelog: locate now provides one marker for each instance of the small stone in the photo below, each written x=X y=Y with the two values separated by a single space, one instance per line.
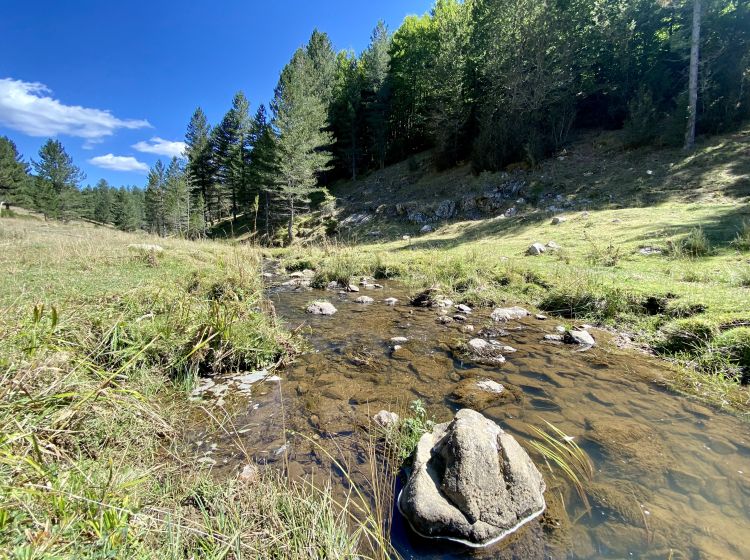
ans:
x=553 y=338
x=460 y=318
x=558 y=220
x=509 y=349
x=249 y=474
x=541 y=317
x=391 y=301
x=445 y=320
x=364 y=299
x=463 y=308
x=553 y=246
x=560 y=329
x=399 y=340
x=296 y=274
x=426 y=229
x=146 y=247
x=352 y=288
x=386 y=418
x=406 y=237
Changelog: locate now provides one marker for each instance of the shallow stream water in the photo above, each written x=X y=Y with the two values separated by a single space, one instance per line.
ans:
x=671 y=480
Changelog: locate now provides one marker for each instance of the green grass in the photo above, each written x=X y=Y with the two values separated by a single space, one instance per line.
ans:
x=99 y=345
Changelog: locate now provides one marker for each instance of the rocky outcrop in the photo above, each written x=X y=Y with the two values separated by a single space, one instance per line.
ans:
x=472 y=483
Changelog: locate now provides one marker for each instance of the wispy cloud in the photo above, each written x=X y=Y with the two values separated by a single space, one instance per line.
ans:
x=161 y=147
x=119 y=163
x=29 y=108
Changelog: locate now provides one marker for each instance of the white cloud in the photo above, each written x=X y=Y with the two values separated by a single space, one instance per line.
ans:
x=119 y=163
x=161 y=147
x=28 y=108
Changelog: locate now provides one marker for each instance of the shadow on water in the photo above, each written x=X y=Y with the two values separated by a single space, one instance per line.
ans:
x=672 y=478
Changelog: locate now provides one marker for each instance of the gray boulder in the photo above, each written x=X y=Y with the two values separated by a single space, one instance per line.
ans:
x=581 y=337
x=321 y=308
x=472 y=482
x=536 y=249
x=508 y=313
x=426 y=229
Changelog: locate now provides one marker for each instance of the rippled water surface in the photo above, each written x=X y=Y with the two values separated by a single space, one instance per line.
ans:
x=672 y=478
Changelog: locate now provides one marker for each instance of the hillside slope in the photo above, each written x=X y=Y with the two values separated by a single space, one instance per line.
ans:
x=653 y=243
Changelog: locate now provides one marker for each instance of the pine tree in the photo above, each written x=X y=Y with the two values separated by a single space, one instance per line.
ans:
x=102 y=202
x=231 y=155
x=14 y=173
x=376 y=61
x=300 y=119
x=200 y=166
x=345 y=112
x=176 y=199
x=155 y=200
x=57 y=180
x=125 y=210
x=262 y=168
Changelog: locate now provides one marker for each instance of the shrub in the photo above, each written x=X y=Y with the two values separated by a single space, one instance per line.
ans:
x=735 y=343
x=694 y=244
x=742 y=241
x=597 y=302
x=685 y=335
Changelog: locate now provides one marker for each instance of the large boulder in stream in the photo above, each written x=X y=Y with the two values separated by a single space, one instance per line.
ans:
x=321 y=308
x=472 y=483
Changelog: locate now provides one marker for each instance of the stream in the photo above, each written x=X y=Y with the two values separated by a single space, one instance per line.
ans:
x=671 y=477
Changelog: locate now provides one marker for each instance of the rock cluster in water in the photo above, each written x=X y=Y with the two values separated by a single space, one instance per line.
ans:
x=472 y=482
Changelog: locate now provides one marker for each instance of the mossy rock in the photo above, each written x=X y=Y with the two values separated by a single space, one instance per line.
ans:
x=684 y=335
x=736 y=344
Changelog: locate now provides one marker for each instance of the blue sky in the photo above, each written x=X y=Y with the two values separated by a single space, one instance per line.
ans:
x=117 y=82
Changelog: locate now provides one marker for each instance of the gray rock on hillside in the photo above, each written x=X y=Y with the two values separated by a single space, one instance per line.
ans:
x=508 y=313
x=559 y=220
x=321 y=308
x=472 y=482
x=536 y=249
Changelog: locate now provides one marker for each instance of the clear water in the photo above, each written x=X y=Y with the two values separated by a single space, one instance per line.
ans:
x=672 y=478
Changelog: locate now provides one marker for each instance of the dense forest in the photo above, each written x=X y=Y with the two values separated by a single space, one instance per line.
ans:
x=490 y=82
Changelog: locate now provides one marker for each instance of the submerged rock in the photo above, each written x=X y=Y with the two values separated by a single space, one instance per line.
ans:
x=364 y=299
x=424 y=299
x=508 y=313
x=479 y=393
x=472 y=482
x=321 y=308
x=390 y=301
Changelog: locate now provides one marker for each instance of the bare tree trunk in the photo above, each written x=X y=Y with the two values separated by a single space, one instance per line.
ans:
x=291 y=220
x=693 y=83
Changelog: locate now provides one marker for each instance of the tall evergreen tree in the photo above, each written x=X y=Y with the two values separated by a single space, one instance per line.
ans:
x=376 y=60
x=154 y=202
x=231 y=155
x=176 y=199
x=102 y=202
x=300 y=120
x=57 y=180
x=14 y=171
x=200 y=166
x=345 y=112
x=262 y=169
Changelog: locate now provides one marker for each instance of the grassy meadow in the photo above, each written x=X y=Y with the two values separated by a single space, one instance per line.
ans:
x=99 y=345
